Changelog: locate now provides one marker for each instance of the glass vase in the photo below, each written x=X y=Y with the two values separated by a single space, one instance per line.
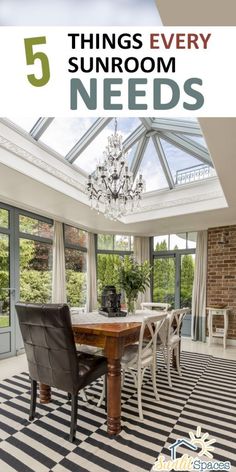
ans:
x=131 y=305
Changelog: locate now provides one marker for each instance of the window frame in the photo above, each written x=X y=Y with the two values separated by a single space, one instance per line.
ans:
x=122 y=252
x=72 y=245
x=33 y=237
x=176 y=254
x=76 y=247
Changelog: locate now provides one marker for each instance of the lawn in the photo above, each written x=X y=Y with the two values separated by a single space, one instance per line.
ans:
x=4 y=321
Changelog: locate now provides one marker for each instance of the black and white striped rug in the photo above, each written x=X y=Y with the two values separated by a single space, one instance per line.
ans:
x=204 y=396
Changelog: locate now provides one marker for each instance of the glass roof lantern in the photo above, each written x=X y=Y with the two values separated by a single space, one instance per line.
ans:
x=168 y=152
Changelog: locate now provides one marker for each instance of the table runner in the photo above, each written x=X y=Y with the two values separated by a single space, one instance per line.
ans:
x=96 y=318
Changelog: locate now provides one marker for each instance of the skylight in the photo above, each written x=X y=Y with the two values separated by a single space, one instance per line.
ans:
x=151 y=170
x=93 y=154
x=24 y=122
x=63 y=133
x=168 y=151
x=177 y=158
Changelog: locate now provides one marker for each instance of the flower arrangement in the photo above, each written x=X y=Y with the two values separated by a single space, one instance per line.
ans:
x=134 y=279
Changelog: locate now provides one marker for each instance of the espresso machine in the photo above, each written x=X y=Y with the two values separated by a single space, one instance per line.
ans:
x=111 y=302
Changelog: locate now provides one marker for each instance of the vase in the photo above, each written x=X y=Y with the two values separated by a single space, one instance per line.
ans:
x=131 y=305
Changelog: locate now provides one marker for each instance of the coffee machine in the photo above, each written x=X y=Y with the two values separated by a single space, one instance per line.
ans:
x=111 y=302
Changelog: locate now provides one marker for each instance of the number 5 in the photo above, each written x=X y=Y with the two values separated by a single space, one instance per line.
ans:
x=31 y=57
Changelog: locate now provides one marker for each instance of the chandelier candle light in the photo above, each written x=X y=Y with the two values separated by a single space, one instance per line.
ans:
x=111 y=184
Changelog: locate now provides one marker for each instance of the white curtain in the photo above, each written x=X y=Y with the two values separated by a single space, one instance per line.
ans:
x=58 y=265
x=142 y=254
x=199 y=289
x=91 y=274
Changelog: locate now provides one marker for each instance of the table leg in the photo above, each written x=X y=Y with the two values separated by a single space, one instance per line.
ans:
x=114 y=396
x=44 y=393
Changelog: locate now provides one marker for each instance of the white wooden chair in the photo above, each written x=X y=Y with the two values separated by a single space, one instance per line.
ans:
x=156 y=305
x=170 y=337
x=138 y=357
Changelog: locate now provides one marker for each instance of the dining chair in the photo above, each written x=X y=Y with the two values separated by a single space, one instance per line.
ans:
x=170 y=338
x=138 y=357
x=51 y=354
x=155 y=305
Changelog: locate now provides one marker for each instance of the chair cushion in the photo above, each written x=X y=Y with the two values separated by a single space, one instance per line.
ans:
x=98 y=351
x=131 y=352
x=174 y=339
x=90 y=368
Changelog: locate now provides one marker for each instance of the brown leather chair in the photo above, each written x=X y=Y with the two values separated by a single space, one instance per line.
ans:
x=51 y=354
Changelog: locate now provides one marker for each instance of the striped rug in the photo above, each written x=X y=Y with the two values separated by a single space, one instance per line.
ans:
x=204 y=396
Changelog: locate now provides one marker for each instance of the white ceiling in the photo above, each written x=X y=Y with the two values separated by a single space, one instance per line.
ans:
x=197 y=12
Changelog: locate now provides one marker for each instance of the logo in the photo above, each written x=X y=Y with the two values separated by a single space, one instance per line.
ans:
x=198 y=456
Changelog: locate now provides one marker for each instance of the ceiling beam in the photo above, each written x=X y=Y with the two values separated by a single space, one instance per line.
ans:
x=39 y=127
x=147 y=122
x=163 y=161
x=192 y=148
x=176 y=126
x=87 y=138
x=141 y=148
x=135 y=136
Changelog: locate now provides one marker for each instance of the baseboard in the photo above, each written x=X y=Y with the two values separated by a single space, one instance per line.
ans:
x=21 y=351
x=219 y=341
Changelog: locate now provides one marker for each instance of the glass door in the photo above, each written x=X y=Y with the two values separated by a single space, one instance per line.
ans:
x=7 y=290
x=164 y=280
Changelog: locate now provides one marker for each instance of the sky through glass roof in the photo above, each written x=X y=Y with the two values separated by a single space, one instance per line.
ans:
x=63 y=133
x=179 y=145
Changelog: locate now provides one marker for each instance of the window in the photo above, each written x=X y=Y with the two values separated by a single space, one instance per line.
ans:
x=110 y=251
x=35 y=259
x=76 y=241
x=116 y=242
x=4 y=281
x=186 y=280
x=75 y=236
x=35 y=227
x=173 y=268
x=164 y=280
x=4 y=218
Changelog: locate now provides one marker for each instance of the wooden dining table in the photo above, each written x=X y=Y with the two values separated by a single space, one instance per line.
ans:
x=112 y=337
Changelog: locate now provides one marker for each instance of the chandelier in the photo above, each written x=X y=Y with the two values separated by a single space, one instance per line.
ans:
x=111 y=185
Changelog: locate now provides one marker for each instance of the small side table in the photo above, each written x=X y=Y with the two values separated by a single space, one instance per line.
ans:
x=218 y=312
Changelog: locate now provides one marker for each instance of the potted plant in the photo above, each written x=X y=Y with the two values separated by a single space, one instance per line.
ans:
x=134 y=279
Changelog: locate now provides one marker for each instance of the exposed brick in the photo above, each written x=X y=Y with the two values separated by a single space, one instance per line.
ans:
x=221 y=270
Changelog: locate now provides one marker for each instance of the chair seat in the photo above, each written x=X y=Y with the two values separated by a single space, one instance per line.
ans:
x=131 y=352
x=174 y=339
x=98 y=351
x=90 y=368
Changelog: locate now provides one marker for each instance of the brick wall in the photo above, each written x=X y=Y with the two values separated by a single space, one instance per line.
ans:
x=221 y=273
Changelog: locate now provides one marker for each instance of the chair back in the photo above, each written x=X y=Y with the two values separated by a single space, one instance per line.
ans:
x=175 y=321
x=172 y=325
x=155 y=305
x=49 y=344
x=148 y=335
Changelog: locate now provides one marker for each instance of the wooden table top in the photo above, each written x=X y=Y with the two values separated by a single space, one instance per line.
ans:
x=108 y=329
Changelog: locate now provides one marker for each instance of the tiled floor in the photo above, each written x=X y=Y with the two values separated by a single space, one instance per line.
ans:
x=203 y=397
x=215 y=350
x=15 y=365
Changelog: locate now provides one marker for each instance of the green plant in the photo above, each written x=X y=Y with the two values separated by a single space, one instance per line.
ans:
x=134 y=279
